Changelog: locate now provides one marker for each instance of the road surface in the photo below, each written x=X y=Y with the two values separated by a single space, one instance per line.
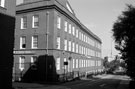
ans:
x=101 y=82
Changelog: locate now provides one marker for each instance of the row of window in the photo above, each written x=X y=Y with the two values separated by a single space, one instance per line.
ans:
x=74 y=47
x=22 y=61
x=75 y=32
x=68 y=46
x=34 y=42
x=2 y=3
x=72 y=30
x=35 y=22
x=77 y=63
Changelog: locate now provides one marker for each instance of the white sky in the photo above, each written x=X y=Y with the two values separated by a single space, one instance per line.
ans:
x=99 y=16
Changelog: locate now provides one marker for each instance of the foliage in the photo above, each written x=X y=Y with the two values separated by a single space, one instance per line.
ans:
x=124 y=36
x=111 y=66
x=105 y=62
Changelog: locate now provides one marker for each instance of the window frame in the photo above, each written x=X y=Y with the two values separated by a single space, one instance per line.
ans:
x=24 y=22
x=35 y=23
x=58 y=42
x=22 y=63
x=2 y=3
x=33 y=43
x=22 y=42
x=58 y=22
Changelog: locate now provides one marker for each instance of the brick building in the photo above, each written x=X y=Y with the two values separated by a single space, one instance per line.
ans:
x=52 y=44
x=7 y=26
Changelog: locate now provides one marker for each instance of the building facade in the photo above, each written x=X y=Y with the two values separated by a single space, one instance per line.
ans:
x=7 y=26
x=51 y=44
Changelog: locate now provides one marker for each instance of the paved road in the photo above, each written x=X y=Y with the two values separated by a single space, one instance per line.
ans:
x=105 y=82
x=98 y=82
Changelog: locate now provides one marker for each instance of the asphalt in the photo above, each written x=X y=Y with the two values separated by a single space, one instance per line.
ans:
x=18 y=85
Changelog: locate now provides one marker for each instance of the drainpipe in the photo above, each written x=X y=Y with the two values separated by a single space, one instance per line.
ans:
x=47 y=30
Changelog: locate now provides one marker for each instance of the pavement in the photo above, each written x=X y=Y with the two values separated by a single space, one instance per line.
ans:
x=123 y=83
x=18 y=85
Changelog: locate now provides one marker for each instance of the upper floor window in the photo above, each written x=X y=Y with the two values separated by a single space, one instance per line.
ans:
x=69 y=46
x=73 y=47
x=65 y=44
x=76 y=33
x=73 y=30
x=80 y=35
x=35 y=42
x=76 y=48
x=69 y=28
x=2 y=3
x=58 y=43
x=35 y=21
x=23 y=42
x=73 y=63
x=76 y=63
x=24 y=22
x=65 y=24
x=58 y=22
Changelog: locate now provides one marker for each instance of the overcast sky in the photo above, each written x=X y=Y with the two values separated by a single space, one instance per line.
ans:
x=99 y=16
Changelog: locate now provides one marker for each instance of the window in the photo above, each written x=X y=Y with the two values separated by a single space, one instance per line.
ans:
x=65 y=60
x=33 y=59
x=73 y=30
x=76 y=48
x=35 y=22
x=65 y=26
x=35 y=42
x=58 y=22
x=69 y=46
x=80 y=49
x=58 y=43
x=73 y=47
x=2 y=3
x=69 y=28
x=76 y=33
x=21 y=63
x=84 y=63
x=23 y=42
x=65 y=44
x=76 y=63
x=80 y=35
x=24 y=22
x=58 y=63
x=73 y=63
x=80 y=63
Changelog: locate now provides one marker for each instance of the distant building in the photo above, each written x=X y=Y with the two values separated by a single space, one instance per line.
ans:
x=51 y=44
x=7 y=26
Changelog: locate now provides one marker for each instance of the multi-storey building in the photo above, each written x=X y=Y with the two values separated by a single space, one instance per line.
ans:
x=7 y=25
x=52 y=44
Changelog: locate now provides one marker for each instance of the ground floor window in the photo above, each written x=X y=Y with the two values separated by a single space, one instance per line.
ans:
x=58 y=63
x=21 y=63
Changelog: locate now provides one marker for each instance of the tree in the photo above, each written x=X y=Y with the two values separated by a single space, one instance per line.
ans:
x=105 y=62
x=124 y=36
x=111 y=66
